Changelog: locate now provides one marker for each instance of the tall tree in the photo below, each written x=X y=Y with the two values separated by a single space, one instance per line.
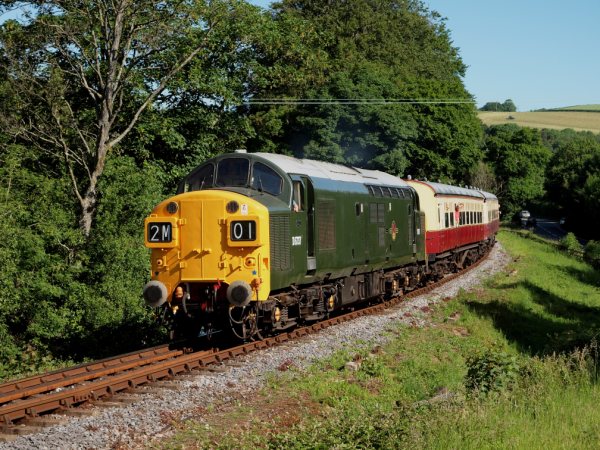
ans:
x=572 y=179
x=82 y=73
x=519 y=160
x=383 y=57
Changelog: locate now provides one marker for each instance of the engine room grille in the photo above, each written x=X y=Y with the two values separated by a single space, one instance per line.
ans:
x=279 y=227
x=326 y=225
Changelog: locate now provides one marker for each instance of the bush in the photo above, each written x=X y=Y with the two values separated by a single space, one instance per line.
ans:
x=571 y=245
x=591 y=253
x=491 y=371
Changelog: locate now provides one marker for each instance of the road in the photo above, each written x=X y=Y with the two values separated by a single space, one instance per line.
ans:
x=549 y=229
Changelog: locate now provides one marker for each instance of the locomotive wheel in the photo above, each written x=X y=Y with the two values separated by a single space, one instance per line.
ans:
x=243 y=321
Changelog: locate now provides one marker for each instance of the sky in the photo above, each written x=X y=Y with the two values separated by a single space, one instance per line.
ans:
x=539 y=53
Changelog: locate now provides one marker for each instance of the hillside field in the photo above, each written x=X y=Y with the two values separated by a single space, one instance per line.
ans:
x=558 y=120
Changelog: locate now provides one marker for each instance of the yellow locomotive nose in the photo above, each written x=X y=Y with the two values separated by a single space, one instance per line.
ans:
x=204 y=241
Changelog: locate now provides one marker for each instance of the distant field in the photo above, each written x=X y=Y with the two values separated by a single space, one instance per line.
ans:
x=558 y=120
x=580 y=108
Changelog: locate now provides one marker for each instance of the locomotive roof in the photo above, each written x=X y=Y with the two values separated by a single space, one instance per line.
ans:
x=447 y=189
x=336 y=172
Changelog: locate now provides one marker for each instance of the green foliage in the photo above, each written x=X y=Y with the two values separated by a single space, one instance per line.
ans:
x=491 y=371
x=571 y=245
x=591 y=253
x=361 y=115
x=507 y=106
x=519 y=160
x=61 y=299
x=347 y=429
x=572 y=178
x=373 y=367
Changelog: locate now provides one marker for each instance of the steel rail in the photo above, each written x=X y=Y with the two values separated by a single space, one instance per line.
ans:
x=17 y=389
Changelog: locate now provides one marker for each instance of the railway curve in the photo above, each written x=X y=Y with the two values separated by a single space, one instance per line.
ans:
x=167 y=364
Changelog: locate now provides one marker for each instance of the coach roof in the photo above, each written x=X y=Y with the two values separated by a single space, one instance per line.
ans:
x=446 y=189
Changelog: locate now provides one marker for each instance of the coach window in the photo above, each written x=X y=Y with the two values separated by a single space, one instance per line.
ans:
x=265 y=179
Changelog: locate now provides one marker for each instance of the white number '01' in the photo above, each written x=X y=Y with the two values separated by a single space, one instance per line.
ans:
x=239 y=233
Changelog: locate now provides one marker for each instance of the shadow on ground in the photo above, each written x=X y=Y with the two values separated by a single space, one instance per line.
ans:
x=559 y=326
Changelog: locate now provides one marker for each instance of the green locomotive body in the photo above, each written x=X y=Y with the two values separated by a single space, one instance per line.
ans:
x=329 y=236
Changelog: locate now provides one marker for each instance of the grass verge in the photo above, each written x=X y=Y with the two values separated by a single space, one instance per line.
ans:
x=510 y=365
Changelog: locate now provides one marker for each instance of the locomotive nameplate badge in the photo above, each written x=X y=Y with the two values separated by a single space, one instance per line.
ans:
x=244 y=209
x=394 y=230
x=296 y=240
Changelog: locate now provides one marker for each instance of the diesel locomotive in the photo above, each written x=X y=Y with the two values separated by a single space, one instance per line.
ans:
x=256 y=243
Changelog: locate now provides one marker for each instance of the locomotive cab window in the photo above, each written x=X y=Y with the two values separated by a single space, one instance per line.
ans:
x=265 y=179
x=201 y=178
x=233 y=172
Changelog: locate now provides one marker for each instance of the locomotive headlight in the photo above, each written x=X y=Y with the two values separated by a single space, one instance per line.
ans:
x=155 y=293
x=172 y=207
x=239 y=293
x=232 y=207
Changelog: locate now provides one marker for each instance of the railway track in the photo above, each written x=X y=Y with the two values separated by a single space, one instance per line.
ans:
x=23 y=402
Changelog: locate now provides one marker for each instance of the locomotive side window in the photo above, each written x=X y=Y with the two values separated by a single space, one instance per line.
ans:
x=266 y=179
x=298 y=192
x=233 y=172
x=358 y=208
